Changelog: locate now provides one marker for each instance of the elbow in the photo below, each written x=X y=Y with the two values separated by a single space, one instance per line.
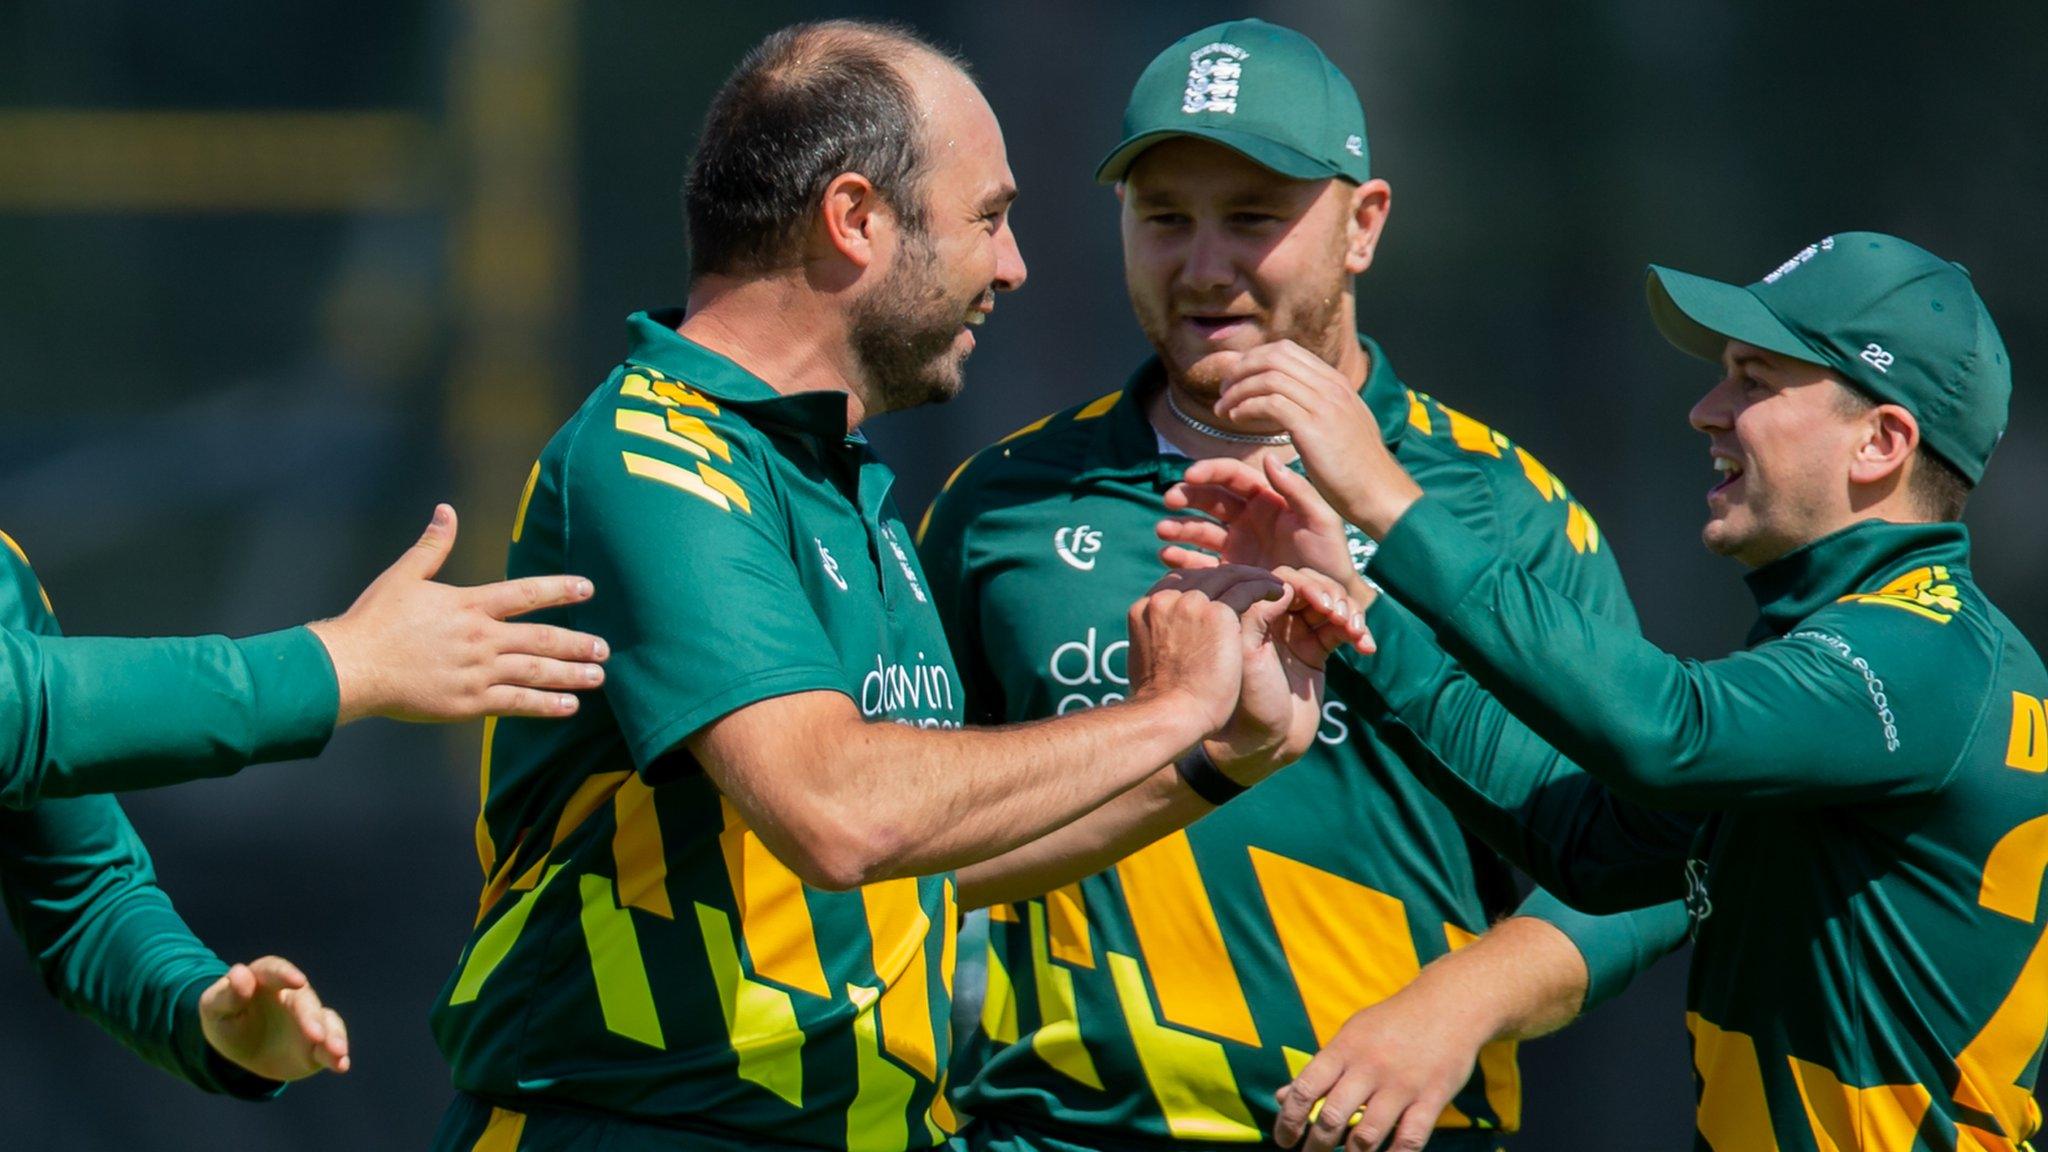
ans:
x=840 y=852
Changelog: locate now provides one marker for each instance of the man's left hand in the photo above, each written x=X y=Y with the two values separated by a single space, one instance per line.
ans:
x=264 y=1016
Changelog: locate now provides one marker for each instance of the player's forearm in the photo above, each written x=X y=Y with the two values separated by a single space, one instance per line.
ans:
x=1523 y=978
x=1162 y=804
x=845 y=802
x=956 y=798
x=1761 y=728
x=98 y=714
x=83 y=896
x=1509 y=788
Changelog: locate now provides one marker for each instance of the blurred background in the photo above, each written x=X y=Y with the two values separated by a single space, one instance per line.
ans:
x=275 y=278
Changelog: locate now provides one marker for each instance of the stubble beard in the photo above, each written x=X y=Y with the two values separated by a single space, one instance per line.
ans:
x=904 y=331
x=1317 y=326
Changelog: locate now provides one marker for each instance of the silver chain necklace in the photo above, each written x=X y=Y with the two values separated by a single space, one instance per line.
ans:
x=1215 y=433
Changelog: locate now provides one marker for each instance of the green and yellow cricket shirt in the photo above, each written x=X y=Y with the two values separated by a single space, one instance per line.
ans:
x=78 y=884
x=638 y=956
x=107 y=714
x=1868 y=782
x=1166 y=999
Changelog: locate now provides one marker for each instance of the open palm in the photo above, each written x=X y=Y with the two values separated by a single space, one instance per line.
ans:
x=1269 y=519
x=265 y=1017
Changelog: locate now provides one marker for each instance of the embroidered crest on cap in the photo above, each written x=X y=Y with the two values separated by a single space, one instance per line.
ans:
x=1214 y=74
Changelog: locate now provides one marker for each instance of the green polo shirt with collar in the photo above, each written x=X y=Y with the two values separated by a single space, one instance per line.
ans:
x=639 y=960
x=1867 y=786
x=1163 y=1001
x=79 y=886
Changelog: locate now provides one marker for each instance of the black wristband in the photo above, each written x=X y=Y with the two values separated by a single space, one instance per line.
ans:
x=1208 y=781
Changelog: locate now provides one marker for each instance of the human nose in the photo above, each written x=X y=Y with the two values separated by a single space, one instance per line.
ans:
x=1208 y=264
x=1712 y=412
x=1010 y=270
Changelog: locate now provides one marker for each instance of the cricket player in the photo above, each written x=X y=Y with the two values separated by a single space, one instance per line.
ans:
x=1855 y=806
x=1161 y=1001
x=95 y=715
x=718 y=911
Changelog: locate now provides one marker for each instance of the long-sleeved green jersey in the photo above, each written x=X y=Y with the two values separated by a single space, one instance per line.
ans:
x=104 y=714
x=78 y=884
x=1855 y=808
x=1163 y=1001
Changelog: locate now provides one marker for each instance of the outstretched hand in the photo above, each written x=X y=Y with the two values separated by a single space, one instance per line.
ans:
x=410 y=648
x=263 y=1016
x=1272 y=519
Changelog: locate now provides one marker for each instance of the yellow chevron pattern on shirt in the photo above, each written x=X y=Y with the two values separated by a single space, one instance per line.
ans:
x=1991 y=1065
x=1732 y=1111
x=897 y=930
x=706 y=483
x=1190 y=1076
x=1846 y=1118
x=775 y=916
x=1181 y=942
x=648 y=384
x=760 y=1020
x=624 y=994
x=1474 y=436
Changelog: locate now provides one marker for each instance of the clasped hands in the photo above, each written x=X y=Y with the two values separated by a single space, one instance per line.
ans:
x=1270 y=551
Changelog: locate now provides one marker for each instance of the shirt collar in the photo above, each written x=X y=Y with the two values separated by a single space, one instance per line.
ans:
x=1126 y=445
x=653 y=342
x=1854 y=559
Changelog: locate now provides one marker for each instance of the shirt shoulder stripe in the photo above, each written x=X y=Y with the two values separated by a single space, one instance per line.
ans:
x=1476 y=439
x=706 y=483
x=1098 y=406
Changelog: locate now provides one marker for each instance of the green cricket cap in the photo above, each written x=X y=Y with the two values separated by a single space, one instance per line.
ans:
x=1893 y=320
x=1264 y=91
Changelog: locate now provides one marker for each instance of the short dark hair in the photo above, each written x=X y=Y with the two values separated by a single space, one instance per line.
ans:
x=810 y=102
x=1937 y=487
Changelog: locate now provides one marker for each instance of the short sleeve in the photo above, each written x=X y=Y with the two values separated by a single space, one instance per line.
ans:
x=688 y=542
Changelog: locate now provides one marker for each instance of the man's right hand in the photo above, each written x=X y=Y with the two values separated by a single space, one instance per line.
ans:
x=413 y=649
x=1185 y=638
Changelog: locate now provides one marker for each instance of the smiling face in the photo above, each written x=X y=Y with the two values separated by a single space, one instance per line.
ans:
x=1786 y=447
x=1222 y=255
x=912 y=330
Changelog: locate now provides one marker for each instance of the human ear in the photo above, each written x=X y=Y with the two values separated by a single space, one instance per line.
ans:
x=1370 y=204
x=849 y=219
x=1891 y=437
